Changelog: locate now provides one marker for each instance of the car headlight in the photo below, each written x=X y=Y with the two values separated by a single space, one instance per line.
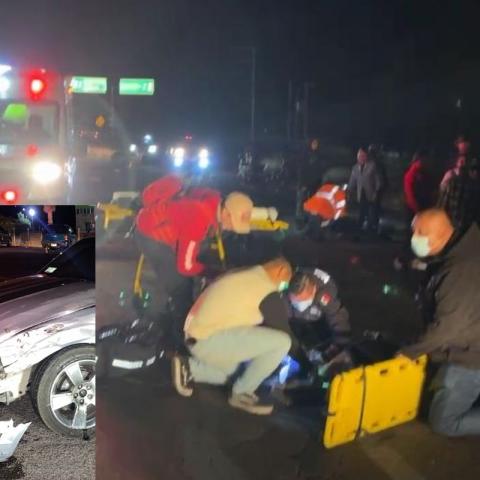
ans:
x=46 y=172
x=4 y=84
x=178 y=157
x=133 y=148
x=152 y=149
x=204 y=158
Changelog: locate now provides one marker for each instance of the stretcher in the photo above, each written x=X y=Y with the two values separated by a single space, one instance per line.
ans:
x=115 y=211
x=372 y=398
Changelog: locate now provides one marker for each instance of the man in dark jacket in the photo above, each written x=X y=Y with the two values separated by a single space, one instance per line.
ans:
x=318 y=319
x=364 y=186
x=452 y=336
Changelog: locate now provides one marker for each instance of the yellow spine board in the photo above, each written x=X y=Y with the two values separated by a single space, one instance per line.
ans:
x=114 y=212
x=371 y=399
x=268 y=225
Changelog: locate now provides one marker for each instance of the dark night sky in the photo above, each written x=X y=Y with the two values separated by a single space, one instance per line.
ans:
x=62 y=214
x=384 y=69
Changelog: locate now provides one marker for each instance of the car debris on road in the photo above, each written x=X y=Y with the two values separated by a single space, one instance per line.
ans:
x=10 y=437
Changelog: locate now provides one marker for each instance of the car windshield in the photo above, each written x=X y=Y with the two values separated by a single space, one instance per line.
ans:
x=24 y=123
x=58 y=229
x=76 y=262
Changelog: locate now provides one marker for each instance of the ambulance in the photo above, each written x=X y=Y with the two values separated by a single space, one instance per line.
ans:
x=37 y=161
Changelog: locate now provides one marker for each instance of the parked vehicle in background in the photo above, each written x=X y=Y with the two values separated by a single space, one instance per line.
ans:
x=5 y=238
x=56 y=238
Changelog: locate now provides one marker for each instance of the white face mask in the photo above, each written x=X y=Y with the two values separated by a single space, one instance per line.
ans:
x=301 y=306
x=420 y=246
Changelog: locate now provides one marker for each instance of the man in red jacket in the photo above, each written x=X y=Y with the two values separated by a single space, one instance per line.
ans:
x=419 y=191
x=172 y=226
x=418 y=186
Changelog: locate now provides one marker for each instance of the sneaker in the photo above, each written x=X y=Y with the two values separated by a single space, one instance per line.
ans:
x=181 y=376
x=249 y=403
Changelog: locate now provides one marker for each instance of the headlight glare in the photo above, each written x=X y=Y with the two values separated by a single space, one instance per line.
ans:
x=46 y=172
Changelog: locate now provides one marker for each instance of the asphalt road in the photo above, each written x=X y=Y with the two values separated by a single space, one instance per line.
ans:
x=147 y=431
x=41 y=453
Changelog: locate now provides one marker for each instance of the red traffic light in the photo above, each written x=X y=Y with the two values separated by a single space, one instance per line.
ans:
x=9 y=196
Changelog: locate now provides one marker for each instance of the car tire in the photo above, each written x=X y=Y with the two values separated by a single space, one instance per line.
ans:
x=43 y=382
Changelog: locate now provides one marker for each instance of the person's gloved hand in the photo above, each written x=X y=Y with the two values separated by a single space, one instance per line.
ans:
x=315 y=356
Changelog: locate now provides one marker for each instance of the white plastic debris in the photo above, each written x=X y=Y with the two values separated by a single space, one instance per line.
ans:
x=10 y=436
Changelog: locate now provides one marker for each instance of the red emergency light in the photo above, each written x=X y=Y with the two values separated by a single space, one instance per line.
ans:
x=9 y=196
x=32 y=150
x=36 y=84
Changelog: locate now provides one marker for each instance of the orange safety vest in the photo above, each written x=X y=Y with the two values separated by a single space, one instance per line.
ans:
x=329 y=203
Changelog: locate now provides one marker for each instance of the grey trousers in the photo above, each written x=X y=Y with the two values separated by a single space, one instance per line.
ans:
x=452 y=412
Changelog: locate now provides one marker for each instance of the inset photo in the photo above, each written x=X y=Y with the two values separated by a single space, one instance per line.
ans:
x=47 y=341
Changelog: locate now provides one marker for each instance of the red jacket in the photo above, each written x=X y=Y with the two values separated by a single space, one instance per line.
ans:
x=418 y=187
x=182 y=223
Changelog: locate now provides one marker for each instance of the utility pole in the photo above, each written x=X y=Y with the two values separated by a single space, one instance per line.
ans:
x=296 y=112
x=306 y=105
x=289 y=111
x=252 y=118
x=112 y=106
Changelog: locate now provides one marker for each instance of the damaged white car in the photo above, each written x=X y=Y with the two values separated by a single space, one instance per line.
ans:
x=47 y=340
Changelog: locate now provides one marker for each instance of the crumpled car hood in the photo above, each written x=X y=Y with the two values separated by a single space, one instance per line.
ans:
x=32 y=301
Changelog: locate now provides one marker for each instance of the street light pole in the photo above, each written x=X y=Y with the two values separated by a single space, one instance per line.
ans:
x=112 y=105
x=306 y=105
x=289 y=110
x=253 y=89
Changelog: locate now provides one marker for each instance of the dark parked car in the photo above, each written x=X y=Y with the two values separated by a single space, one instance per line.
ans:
x=5 y=238
x=47 y=340
x=56 y=238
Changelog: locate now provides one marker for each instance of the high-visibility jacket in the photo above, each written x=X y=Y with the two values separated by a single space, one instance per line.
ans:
x=182 y=222
x=329 y=202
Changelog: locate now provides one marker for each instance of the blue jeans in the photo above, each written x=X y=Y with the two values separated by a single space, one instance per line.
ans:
x=216 y=358
x=452 y=412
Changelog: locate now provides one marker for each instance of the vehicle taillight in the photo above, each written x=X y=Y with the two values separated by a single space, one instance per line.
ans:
x=32 y=150
x=9 y=196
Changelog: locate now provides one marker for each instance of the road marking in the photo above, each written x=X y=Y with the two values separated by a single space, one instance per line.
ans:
x=391 y=462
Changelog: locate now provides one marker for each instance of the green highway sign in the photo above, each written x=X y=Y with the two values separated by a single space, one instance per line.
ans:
x=136 y=86
x=89 y=85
